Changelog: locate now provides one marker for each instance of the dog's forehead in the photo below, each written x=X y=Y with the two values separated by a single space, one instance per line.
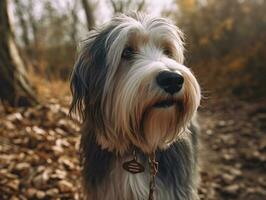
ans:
x=142 y=29
x=138 y=30
x=145 y=26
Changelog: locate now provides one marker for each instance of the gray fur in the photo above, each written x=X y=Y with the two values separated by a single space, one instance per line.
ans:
x=102 y=172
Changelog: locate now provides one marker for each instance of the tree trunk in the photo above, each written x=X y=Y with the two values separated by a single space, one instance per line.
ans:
x=14 y=86
x=20 y=10
x=74 y=22
x=89 y=14
x=121 y=6
x=33 y=25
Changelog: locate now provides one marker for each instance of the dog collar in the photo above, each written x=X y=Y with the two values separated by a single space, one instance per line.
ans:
x=135 y=167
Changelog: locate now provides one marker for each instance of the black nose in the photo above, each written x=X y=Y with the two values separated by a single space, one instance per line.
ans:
x=171 y=82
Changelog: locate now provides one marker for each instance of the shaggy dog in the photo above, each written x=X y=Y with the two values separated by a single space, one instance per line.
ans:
x=136 y=99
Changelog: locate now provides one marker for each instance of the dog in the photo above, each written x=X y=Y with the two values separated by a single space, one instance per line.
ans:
x=136 y=98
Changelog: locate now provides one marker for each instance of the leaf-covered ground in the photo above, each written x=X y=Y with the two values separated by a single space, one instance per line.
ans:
x=233 y=150
x=39 y=152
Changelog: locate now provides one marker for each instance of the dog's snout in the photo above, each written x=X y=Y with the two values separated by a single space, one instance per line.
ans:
x=170 y=82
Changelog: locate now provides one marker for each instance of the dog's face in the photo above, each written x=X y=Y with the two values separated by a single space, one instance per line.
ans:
x=130 y=86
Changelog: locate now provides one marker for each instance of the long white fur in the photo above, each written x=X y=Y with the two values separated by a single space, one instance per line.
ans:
x=138 y=83
x=128 y=95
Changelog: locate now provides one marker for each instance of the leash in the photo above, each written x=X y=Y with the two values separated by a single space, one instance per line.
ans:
x=134 y=167
x=153 y=171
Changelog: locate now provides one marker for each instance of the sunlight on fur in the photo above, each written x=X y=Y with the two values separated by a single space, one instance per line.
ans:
x=131 y=89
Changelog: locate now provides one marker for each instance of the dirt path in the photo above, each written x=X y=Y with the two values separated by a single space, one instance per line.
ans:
x=39 y=152
x=233 y=150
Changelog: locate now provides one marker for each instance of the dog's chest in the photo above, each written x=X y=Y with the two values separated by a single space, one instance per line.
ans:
x=176 y=178
x=135 y=186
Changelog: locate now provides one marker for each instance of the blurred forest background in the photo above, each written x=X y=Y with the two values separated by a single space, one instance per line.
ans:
x=225 y=47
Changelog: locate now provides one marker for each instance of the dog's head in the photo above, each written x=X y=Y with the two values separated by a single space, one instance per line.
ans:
x=130 y=86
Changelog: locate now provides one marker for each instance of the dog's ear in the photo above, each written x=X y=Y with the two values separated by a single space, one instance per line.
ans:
x=78 y=79
x=88 y=76
x=181 y=45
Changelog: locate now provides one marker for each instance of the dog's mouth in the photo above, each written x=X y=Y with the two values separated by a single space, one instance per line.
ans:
x=165 y=103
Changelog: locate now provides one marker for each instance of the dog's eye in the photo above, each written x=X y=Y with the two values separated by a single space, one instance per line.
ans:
x=168 y=52
x=127 y=53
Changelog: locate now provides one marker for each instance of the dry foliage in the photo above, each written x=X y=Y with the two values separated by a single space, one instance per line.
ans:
x=225 y=44
x=39 y=156
x=39 y=151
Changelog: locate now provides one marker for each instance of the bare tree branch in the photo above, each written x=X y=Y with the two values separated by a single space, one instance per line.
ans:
x=120 y=6
x=89 y=13
x=141 y=5
x=74 y=21
x=20 y=8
